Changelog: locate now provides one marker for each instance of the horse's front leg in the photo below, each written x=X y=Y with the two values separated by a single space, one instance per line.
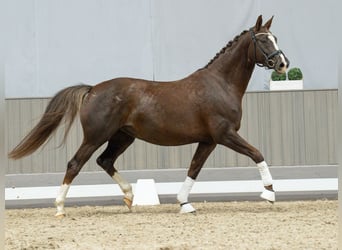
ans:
x=238 y=144
x=202 y=152
x=268 y=193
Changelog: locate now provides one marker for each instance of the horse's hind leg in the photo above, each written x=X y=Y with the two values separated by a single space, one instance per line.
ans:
x=74 y=166
x=116 y=146
x=238 y=144
x=202 y=152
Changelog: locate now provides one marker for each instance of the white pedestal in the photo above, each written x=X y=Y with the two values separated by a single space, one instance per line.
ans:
x=145 y=193
x=286 y=85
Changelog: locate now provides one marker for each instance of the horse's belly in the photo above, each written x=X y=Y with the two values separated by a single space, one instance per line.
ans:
x=166 y=136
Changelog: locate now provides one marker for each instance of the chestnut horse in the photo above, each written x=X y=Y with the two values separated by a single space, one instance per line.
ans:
x=204 y=107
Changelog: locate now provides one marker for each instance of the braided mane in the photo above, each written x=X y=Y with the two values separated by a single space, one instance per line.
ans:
x=225 y=48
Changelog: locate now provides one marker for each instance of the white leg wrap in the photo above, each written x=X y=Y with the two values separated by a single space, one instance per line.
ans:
x=61 y=199
x=124 y=185
x=267 y=180
x=265 y=173
x=183 y=194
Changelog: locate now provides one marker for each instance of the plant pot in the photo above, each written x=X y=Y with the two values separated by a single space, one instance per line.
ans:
x=286 y=85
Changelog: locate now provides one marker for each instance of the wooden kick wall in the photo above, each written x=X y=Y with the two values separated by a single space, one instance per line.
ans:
x=290 y=128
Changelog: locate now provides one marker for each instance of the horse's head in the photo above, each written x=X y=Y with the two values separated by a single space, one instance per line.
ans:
x=263 y=49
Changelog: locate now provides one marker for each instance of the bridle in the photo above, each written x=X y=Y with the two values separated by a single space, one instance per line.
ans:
x=269 y=59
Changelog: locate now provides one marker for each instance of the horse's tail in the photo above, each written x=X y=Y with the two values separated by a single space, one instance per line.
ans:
x=65 y=104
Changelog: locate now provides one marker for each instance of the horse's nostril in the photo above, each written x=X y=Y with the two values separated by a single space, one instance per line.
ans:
x=282 y=65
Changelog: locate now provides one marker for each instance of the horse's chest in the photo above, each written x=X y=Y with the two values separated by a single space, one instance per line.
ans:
x=229 y=108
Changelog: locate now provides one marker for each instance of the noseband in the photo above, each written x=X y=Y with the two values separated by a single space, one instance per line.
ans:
x=269 y=59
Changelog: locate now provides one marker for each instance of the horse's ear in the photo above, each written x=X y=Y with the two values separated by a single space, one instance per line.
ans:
x=268 y=23
x=258 y=23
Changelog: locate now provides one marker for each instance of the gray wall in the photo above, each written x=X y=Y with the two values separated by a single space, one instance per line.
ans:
x=290 y=128
x=54 y=44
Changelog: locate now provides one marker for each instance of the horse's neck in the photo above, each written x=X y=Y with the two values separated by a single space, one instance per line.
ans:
x=233 y=66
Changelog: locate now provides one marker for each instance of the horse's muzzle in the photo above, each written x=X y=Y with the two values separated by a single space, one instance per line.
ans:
x=281 y=63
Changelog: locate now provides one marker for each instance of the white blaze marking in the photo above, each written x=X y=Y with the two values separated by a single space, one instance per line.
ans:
x=272 y=39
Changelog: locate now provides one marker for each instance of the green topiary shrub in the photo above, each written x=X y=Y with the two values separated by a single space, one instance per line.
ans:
x=295 y=74
x=278 y=77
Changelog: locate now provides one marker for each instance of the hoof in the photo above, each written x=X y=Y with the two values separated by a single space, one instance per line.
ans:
x=128 y=202
x=60 y=215
x=268 y=195
x=187 y=208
